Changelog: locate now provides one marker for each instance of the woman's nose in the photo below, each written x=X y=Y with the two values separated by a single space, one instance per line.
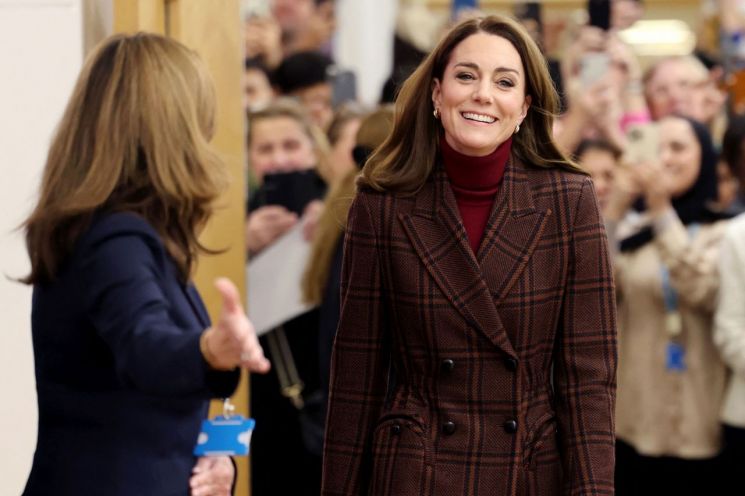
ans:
x=482 y=92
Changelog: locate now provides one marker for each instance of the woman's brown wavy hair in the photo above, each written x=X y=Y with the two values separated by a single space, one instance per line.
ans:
x=134 y=137
x=406 y=159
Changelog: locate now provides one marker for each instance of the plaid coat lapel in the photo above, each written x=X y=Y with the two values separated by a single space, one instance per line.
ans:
x=512 y=232
x=514 y=228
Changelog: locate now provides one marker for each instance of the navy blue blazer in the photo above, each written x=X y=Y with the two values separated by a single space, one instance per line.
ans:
x=122 y=385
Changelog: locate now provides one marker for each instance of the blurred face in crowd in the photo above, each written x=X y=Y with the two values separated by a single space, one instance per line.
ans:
x=481 y=96
x=675 y=88
x=291 y=14
x=680 y=155
x=601 y=164
x=279 y=144
x=727 y=185
x=257 y=91
x=624 y=13
x=341 y=160
x=318 y=101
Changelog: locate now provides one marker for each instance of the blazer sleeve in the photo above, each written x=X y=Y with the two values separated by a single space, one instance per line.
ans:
x=586 y=355
x=122 y=278
x=729 y=329
x=359 y=367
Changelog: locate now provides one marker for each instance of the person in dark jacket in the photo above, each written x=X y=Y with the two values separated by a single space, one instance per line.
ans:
x=126 y=358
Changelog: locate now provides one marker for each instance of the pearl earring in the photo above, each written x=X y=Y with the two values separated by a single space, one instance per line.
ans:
x=517 y=128
x=436 y=113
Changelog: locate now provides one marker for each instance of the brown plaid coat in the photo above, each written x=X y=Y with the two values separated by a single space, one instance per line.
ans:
x=493 y=374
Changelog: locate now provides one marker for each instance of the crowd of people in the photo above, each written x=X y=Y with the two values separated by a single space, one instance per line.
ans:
x=525 y=274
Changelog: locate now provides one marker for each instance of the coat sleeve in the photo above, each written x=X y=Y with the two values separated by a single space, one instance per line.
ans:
x=121 y=286
x=585 y=363
x=359 y=367
x=729 y=330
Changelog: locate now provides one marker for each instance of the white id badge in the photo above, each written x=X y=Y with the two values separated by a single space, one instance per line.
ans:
x=225 y=436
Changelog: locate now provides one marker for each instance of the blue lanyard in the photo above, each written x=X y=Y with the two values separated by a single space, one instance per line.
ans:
x=668 y=292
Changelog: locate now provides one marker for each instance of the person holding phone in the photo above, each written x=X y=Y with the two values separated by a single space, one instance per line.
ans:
x=476 y=347
x=671 y=377
x=288 y=157
x=126 y=358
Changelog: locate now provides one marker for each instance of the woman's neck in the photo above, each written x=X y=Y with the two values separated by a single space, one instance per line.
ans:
x=475 y=173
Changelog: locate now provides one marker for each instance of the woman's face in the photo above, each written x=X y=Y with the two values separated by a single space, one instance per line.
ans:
x=257 y=91
x=601 y=164
x=279 y=144
x=481 y=97
x=680 y=154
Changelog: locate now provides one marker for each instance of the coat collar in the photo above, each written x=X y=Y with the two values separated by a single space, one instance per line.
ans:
x=474 y=284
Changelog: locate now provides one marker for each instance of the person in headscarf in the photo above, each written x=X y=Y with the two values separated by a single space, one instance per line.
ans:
x=670 y=377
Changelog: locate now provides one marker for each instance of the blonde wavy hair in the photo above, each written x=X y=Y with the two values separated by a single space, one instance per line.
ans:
x=134 y=137
x=333 y=221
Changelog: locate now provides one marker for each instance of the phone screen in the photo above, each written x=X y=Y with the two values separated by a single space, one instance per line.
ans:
x=642 y=143
x=599 y=13
x=593 y=66
x=293 y=190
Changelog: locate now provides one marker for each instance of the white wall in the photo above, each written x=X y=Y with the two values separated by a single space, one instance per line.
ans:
x=364 y=43
x=41 y=46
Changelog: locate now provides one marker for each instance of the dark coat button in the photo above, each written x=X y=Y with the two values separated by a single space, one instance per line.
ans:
x=510 y=426
x=396 y=429
x=511 y=364
x=448 y=427
x=447 y=365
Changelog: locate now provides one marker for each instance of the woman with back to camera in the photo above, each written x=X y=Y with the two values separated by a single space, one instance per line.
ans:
x=125 y=356
x=476 y=349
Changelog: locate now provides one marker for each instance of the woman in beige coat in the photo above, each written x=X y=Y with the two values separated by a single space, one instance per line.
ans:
x=670 y=376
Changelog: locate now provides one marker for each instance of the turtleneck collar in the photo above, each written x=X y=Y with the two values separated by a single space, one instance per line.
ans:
x=475 y=173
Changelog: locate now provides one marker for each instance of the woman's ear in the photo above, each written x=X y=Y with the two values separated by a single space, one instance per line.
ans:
x=526 y=105
x=436 y=93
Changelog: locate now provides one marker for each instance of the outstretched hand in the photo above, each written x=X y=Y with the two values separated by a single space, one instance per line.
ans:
x=232 y=341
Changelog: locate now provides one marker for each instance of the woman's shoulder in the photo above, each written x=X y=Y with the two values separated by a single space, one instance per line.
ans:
x=555 y=180
x=736 y=227
x=106 y=226
x=371 y=196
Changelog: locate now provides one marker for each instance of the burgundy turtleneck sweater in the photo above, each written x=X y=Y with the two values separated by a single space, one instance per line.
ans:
x=475 y=182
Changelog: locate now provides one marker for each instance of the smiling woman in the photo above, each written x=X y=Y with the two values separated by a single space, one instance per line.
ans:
x=476 y=348
x=481 y=99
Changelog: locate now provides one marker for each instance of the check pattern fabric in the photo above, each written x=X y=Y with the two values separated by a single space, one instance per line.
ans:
x=491 y=373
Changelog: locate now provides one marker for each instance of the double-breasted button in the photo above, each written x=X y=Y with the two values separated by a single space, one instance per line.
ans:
x=448 y=427
x=510 y=426
x=396 y=429
x=511 y=364
x=447 y=365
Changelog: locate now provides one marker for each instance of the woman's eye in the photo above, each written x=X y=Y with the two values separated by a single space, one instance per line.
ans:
x=465 y=76
x=507 y=83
